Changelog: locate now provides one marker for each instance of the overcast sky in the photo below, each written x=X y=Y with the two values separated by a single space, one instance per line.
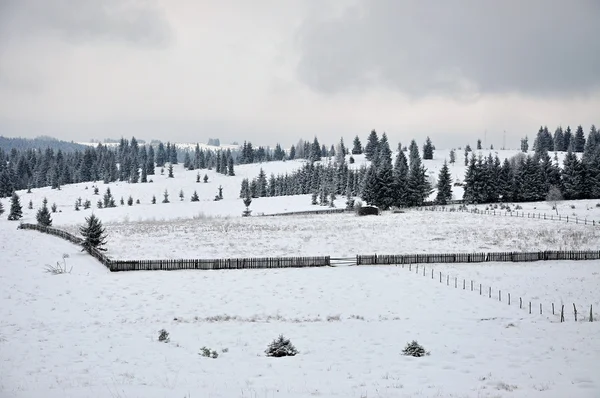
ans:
x=273 y=71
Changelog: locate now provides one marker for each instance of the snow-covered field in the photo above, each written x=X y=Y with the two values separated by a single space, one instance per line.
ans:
x=341 y=235
x=91 y=333
x=94 y=334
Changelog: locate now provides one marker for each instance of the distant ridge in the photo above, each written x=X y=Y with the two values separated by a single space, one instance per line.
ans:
x=41 y=142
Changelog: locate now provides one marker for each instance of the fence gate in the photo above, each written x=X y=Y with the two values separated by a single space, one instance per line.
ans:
x=343 y=261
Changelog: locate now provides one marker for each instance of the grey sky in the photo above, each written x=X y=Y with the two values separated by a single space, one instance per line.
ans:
x=276 y=71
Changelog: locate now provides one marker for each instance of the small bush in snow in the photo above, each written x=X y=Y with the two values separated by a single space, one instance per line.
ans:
x=517 y=207
x=208 y=353
x=163 y=336
x=414 y=349
x=281 y=347
x=572 y=206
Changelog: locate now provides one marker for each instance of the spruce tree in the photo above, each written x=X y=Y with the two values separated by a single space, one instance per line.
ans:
x=356 y=146
x=181 y=195
x=372 y=145
x=479 y=144
x=43 y=216
x=572 y=177
x=1 y=208
x=400 y=179
x=568 y=137
x=428 y=150
x=153 y=199
x=170 y=170
x=165 y=197
x=385 y=175
x=195 y=197
x=93 y=233
x=205 y=178
x=418 y=187
x=444 y=186
x=16 y=211
x=413 y=153
x=579 y=140
x=559 y=140
x=452 y=156
x=370 y=188
x=30 y=205
x=130 y=201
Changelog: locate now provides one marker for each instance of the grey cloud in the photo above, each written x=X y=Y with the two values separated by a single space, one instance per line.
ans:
x=138 y=22
x=456 y=48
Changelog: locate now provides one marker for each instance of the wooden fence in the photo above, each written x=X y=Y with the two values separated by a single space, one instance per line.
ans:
x=310 y=212
x=224 y=263
x=181 y=264
x=379 y=259
x=515 y=214
x=97 y=254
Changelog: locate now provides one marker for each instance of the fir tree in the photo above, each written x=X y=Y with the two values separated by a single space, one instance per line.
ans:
x=247 y=202
x=170 y=170
x=93 y=234
x=479 y=144
x=568 y=137
x=30 y=205
x=122 y=201
x=231 y=171
x=181 y=196
x=452 y=156
x=53 y=207
x=165 y=197
x=418 y=187
x=444 y=186
x=400 y=179
x=385 y=175
x=153 y=200
x=87 y=204
x=356 y=146
x=195 y=197
x=130 y=201
x=1 y=208
x=427 y=150
x=524 y=144
x=198 y=177
x=43 y=216
x=571 y=176
x=579 y=140
x=370 y=189
x=16 y=211
x=372 y=145
x=205 y=178
x=413 y=151
x=559 y=140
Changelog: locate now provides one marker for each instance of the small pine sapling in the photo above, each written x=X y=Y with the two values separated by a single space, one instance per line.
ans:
x=130 y=201
x=205 y=178
x=43 y=215
x=76 y=205
x=414 y=349
x=181 y=196
x=87 y=204
x=30 y=205
x=198 y=177
x=195 y=197
x=165 y=197
x=163 y=336
x=54 y=207
x=1 y=208
x=122 y=201
x=153 y=199
x=281 y=347
x=96 y=191
x=99 y=204
x=137 y=201
x=247 y=202
x=170 y=171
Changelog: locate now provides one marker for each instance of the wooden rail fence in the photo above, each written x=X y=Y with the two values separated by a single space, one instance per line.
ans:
x=182 y=264
x=310 y=212
x=378 y=259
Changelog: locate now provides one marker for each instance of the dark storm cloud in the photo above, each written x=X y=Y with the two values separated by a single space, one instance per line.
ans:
x=531 y=47
x=138 y=22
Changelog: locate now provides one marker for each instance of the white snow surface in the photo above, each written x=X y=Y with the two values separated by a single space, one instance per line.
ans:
x=92 y=333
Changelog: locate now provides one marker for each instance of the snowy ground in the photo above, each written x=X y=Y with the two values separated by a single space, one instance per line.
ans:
x=94 y=334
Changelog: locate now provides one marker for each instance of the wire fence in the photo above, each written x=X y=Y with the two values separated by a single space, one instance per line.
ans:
x=560 y=312
x=514 y=214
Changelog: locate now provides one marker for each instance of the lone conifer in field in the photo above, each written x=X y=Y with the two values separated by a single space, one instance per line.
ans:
x=195 y=197
x=93 y=234
x=43 y=215
x=16 y=211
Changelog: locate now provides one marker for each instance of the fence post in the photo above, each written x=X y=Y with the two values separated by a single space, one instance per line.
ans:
x=499 y=295
x=508 y=298
x=471 y=285
x=440 y=277
x=552 y=308
x=575 y=311
x=490 y=292
x=530 y=307
x=562 y=313
x=480 y=289
x=591 y=317
x=464 y=284
x=520 y=302
x=448 y=280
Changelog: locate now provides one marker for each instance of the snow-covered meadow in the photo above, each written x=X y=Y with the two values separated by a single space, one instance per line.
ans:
x=94 y=334
x=91 y=333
